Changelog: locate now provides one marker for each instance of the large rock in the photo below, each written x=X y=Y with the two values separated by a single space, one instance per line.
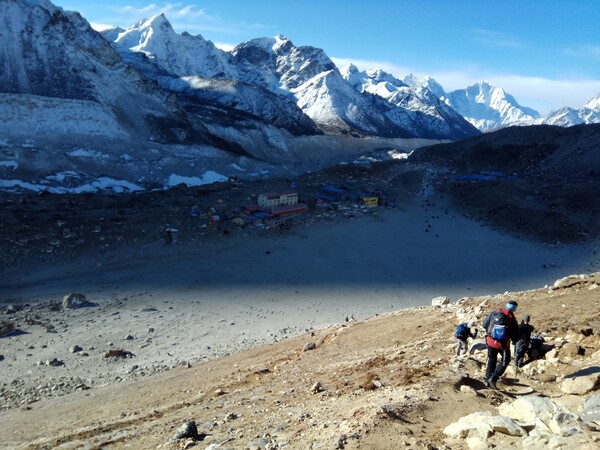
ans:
x=565 y=424
x=440 y=301
x=582 y=382
x=571 y=350
x=591 y=409
x=506 y=425
x=527 y=409
x=569 y=281
x=474 y=425
x=74 y=300
x=6 y=328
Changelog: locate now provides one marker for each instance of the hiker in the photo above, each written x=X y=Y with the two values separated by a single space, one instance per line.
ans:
x=501 y=328
x=462 y=335
x=523 y=345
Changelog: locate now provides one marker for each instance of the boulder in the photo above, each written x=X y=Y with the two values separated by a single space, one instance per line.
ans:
x=570 y=280
x=74 y=300
x=565 y=424
x=581 y=383
x=475 y=425
x=187 y=430
x=506 y=425
x=591 y=409
x=527 y=409
x=571 y=350
x=6 y=328
x=440 y=301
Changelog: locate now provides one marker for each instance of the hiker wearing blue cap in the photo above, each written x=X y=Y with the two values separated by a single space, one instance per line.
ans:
x=501 y=328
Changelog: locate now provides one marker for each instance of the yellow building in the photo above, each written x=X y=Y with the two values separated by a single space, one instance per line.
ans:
x=369 y=201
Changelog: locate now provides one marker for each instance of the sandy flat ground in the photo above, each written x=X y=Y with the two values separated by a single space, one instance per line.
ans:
x=197 y=301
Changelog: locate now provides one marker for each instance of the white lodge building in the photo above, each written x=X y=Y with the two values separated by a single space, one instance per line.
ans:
x=273 y=199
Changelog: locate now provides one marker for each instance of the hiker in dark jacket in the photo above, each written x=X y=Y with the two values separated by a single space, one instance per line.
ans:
x=501 y=328
x=462 y=334
x=523 y=345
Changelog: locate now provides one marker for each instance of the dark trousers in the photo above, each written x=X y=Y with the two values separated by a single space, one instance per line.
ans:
x=494 y=370
x=521 y=349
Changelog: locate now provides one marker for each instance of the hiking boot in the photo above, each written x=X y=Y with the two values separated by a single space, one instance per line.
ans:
x=486 y=382
x=492 y=384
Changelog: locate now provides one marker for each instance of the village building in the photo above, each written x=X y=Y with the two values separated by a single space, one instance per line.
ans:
x=368 y=200
x=273 y=199
x=287 y=210
x=332 y=193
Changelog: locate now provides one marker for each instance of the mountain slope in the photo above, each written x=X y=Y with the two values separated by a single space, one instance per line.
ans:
x=488 y=107
x=566 y=117
x=420 y=106
x=305 y=75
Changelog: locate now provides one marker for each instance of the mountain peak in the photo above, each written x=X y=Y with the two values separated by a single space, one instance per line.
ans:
x=594 y=103
x=157 y=21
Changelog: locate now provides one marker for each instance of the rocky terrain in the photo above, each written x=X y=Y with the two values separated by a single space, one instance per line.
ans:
x=387 y=382
x=138 y=361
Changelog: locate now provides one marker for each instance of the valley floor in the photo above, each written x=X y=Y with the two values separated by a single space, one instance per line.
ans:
x=212 y=328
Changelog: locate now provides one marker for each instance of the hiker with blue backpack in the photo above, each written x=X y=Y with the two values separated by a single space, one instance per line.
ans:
x=462 y=335
x=501 y=328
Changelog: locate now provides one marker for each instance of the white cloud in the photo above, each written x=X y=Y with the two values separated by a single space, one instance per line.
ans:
x=224 y=46
x=183 y=17
x=584 y=51
x=495 y=39
x=100 y=26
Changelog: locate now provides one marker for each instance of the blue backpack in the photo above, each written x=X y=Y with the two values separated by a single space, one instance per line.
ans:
x=498 y=327
x=462 y=331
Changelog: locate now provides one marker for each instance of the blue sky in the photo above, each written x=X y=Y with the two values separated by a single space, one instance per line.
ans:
x=546 y=53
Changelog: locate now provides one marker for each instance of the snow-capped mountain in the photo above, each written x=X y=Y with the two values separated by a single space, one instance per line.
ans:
x=417 y=106
x=488 y=107
x=181 y=54
x=305 y=75
x=61 y=79
x=566 y=117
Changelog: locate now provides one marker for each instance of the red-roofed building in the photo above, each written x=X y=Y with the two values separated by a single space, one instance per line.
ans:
x=286 y=210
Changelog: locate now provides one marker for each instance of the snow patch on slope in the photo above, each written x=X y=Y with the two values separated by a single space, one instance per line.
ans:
x=208 y=178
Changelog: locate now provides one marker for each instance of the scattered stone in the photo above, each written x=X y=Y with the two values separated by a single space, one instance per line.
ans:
x=75 y=349
x=440 y=301
x=11 y=309
x=316 y=388
x=187 y=430
x=468 y=390
x=129 y=337
x=309 y=346
x=118 y=353
x=587 y=331
x=74 y=300
x=6 y=328
x=54 y=362
x=219 y=392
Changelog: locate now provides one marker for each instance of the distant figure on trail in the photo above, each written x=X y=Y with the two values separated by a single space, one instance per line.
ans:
x=501 y=328
x=523 y=345
x=462 y=335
